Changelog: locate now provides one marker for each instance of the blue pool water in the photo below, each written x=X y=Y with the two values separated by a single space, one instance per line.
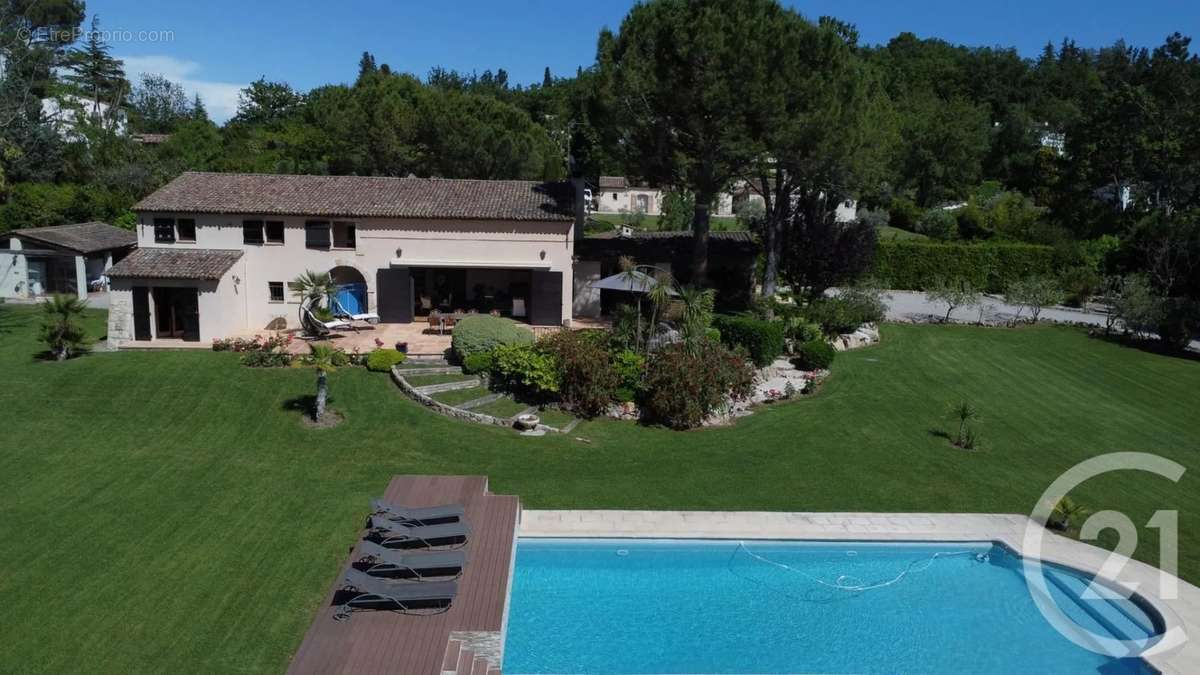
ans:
x=677 y=606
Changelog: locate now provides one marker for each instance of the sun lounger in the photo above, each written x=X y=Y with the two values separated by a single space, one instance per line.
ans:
x=390 y=535
x=361 y=591
x=426 y=515
x=340 y=312
x=378 y=561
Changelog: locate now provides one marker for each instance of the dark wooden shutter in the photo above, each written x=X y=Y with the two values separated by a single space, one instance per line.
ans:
x=545 y=307
x=393 y=295
x=189 y=305
x=141 y=313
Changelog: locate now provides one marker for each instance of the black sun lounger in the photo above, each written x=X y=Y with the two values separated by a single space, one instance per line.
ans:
x=378 y=561
x=428 y=515
x=390 y=535
x=360 y=591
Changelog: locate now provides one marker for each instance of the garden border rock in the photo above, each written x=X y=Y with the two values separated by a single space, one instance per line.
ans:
x=451 y=411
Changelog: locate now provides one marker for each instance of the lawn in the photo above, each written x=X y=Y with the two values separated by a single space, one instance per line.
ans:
x=167 y=512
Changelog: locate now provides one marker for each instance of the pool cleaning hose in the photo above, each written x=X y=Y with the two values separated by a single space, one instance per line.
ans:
x=852 y=584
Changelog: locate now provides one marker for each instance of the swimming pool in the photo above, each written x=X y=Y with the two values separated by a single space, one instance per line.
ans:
x=712 y=606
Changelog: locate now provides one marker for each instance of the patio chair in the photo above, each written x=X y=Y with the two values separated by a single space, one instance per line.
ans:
x=426 y=303
x=314 y=326
x=391 y=535
x=362 y=591
x=427 y=515
x=378 y=561
x=436 y=321
x=340 y=312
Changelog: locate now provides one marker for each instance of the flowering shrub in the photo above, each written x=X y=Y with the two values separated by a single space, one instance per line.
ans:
x=258 y=343
x=265 y=359
x=684 y=386
x=587 y=379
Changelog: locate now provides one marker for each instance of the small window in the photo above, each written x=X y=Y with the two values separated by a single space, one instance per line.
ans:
x=252 y=231
x=274 y=230
x=185 y=229
x=614 y=196
x=343 y=235
x=276 y=290
x=164 y=230
x=316 y=234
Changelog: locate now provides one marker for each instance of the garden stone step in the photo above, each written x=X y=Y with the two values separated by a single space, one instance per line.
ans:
x=476 y=402
x=431 y=370
x=448 y=386
x=528 y=411
x=570 y=426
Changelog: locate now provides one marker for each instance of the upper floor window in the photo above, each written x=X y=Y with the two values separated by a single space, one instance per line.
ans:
x=316 y=234
x=343 y=235
x=185 y=229
x=164 y=230
x=252 y=231
x=274 y=231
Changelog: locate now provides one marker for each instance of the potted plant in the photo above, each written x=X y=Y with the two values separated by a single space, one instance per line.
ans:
x=402 y=347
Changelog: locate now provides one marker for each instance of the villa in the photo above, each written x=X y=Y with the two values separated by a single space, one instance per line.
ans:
x=216 y=252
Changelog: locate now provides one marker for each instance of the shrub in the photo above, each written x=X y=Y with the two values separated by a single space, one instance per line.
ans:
x=684 y=386
x=938 y=224
x=916 y=266
x=479 y=362
x=265 y=359
x=802 y=330
x=1080 y=283
x=815 y=355
x=382 y=360
x=587 y=379
x=257 y=343
x=904 y=213
x=525 y=370
x=846 y=312
x=483 y=333
x=630 y=367
x=762 y=340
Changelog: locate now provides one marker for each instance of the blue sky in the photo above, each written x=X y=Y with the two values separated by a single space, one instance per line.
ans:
x=215 y=47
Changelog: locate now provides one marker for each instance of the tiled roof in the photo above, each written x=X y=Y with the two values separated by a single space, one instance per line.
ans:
x=363 y=197
x=80 y=237
x=171 y=263
x=613 y=182
x=740 y=236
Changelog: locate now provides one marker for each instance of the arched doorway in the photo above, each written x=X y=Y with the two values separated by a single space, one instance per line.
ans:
x=350 y=289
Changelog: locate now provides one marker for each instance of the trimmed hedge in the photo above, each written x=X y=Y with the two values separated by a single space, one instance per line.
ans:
x=762 y=339
x=815 y=355
x=483 y=333
x=916 y=266
x=382 y=360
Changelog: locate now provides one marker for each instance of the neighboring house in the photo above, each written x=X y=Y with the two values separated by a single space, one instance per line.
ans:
x=62 y=259
x=731 y=265
x=615 y=194
x=67 y=113
x=216 y=251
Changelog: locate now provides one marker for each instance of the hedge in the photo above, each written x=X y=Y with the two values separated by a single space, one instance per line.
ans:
x=762 y=340
x=916 y=266
x=483 y=333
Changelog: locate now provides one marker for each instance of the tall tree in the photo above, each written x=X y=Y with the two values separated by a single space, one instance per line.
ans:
x=547 y=81
x=158 y=105
x=267 y=103
x=683 y=73
x=97 y=76
x=199 y=111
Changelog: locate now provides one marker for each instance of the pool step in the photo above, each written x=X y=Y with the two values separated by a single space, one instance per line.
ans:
x=448 y=386
x=460 y=660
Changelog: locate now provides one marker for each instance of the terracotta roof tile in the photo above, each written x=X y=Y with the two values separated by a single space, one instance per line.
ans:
x=363 y=197
x=170 y=263
x=80 y=237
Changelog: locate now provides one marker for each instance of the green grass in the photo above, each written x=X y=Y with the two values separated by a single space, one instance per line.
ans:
x=457 y=396
x=167 y=511
x=501 y=407
x=889 y=232
x=436 y=378
x=650 y=223
x=555 y=417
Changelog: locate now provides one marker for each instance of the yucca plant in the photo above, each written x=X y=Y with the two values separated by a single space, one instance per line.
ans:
x=964 y=412
x=312 y=286
x=60 y=329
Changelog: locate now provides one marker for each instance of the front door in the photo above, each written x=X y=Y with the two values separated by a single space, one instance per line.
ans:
x=141 y=313
x=177 y=313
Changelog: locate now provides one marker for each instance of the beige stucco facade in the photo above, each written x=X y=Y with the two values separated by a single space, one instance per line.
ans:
x=240 y=301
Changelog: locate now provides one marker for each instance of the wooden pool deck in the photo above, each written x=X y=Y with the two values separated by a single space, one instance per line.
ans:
x=467 y=638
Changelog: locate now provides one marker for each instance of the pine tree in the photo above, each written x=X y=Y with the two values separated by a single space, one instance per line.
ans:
x=366 y=66
x=199 y=112
x=547 y=81
x=95 y=74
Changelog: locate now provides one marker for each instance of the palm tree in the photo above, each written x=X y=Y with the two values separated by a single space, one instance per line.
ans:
x=1066 y=512
x=696 y=309
x=61 y=330
x=313 y=286
x=321 y=359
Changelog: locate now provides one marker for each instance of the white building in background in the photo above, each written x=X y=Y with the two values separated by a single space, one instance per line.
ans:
x=616 y=194
x=67 y=113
